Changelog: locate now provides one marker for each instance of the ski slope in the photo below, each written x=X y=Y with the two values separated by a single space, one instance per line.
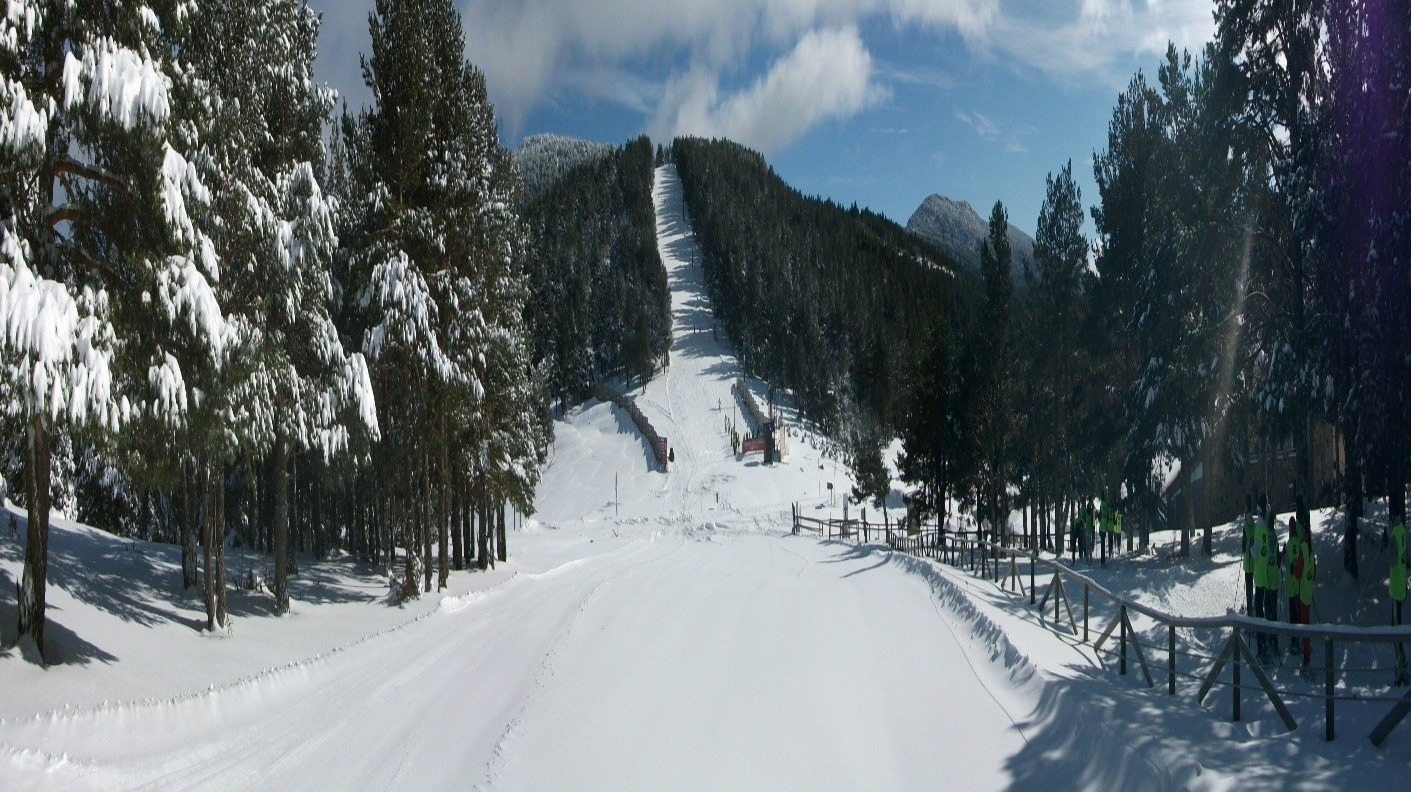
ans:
x=651 y=631
x=600 y=468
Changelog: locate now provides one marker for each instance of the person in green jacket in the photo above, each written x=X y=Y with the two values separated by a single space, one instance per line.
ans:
x=1396 y=586
x=1247 y=550
x=1261 y=572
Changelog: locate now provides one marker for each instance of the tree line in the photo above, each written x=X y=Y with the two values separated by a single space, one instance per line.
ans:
x=836 y=304
x=221 y=323
x=599 y=307
x=1248 y=280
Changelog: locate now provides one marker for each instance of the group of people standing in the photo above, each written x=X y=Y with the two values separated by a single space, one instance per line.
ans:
x=1088 y=524
x=1296 y=567
x=1266 y=567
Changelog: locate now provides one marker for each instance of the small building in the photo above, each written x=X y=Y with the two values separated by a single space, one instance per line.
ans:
x=1216 y=482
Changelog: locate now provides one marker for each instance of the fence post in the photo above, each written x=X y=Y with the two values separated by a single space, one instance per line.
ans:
x=1328 y=688
x=1171 y=660
x=1033 y=562
x=1085 y=611
x=1235 y=659
x=1122 y=616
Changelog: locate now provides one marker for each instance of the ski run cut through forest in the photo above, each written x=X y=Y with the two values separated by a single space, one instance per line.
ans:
x=651 y=630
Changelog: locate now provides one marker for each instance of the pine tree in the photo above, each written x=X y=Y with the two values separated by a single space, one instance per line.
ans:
x=1055 y=370
x=994 y=384
x=1275 y=53
x=433 y=265
x=104 y=275
x=292 y=389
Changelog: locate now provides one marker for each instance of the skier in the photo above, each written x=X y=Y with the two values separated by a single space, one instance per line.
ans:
x=1396 y=586
x=1247 y=550
x=1261 y=573
x=1308 y=569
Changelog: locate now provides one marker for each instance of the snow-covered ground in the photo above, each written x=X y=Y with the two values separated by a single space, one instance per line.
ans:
x=652 y=630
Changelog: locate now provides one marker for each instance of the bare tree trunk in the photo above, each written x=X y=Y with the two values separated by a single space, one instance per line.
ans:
x=502 y=549
x=443 y=509
x=482 y=528
x=281 y=527
x=409 y=587
x=36 y=561
x=424 y=510
x=319 y=530
x=208 y=531
x=219 y=520
x=1353 y=511
x=467 y=521
x=456 y=518
x=188 y=527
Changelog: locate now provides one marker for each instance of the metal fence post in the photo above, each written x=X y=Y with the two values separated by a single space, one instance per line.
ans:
x=1122 y=617
x=1171 y=660
x=1328 y=688
x=1235 y=659
x=1085 y=611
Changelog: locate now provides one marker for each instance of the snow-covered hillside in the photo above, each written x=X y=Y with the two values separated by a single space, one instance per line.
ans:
x=544 y=159
x=652 y=630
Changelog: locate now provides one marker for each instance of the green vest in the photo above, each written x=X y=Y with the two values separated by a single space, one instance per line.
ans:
x=1271 y=577
x=1088 y=525
x=1260 y=549
x=1247 y=543
x=1295 y=552
x=1397 y=585
x=1310 y=569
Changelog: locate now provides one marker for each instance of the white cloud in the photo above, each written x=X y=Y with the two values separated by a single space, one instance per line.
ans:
x=661 y=58
x=828 y=75
x=531 y=49
x=1103 y=38
x=983 y=125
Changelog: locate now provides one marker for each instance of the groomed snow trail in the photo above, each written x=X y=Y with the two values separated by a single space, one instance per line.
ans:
x=653 y=640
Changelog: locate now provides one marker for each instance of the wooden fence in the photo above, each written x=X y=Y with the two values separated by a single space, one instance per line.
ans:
x=1007 y=566
x=756 y=416
x=660 y=449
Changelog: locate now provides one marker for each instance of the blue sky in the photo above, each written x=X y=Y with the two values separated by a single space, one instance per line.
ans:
x=874 y=102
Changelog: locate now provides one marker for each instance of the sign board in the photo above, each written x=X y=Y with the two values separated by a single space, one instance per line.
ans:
x=752 y=445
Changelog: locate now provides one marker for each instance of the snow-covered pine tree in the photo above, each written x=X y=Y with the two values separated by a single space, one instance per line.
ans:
x=104 y=276
x=433 y=253
x=292 y=389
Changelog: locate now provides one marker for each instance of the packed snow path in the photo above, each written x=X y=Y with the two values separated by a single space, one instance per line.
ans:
x=720 y=661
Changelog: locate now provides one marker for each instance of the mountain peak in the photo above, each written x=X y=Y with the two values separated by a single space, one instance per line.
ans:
x=956 y=229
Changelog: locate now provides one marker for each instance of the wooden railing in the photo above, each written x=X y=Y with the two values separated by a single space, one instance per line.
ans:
x=1007 y=566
